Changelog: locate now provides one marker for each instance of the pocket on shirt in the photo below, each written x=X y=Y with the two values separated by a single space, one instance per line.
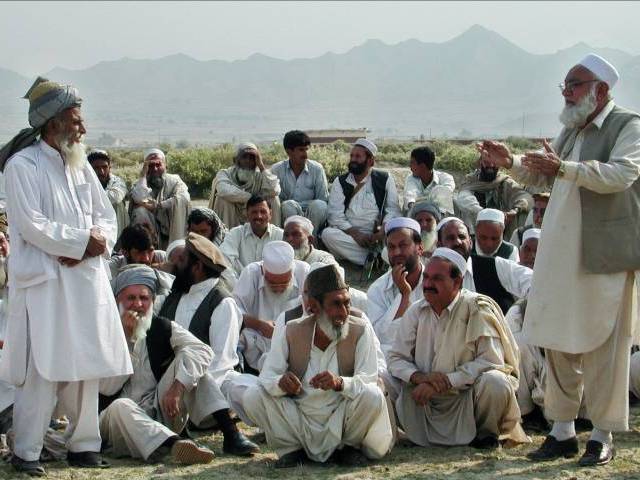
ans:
x=84 y=197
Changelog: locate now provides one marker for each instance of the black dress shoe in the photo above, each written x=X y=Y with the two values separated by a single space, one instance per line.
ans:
x=30 y=467
x=86 y=460
x=485 y=443
x=552 y=449
x=596 y=454
x=349 y=457
x=534 y=421
x=291 y=459
x=237 y=444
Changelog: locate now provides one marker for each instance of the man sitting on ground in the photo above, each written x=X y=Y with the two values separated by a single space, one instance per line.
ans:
x=423 y=180
x=489 y=236
x=298 y=232
x=205 y=222
x=136 y=246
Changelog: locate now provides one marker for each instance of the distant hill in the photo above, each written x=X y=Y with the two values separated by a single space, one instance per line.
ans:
x=477 y=82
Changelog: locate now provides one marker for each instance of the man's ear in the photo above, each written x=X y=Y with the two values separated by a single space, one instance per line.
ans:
x=314 y=306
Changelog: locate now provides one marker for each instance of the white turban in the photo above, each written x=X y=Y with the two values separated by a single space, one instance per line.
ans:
x=453 y=256
x=490 y=215
x=305 y=223
x=153 y=151
x=368 y=144
x=531 y=233
x=446 y=220
x=277 y=257
x=601 y=69
x=402 y=222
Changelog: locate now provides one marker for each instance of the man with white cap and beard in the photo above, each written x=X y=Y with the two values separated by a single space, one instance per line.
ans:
x=160 y=199
x=264 y=290
x=361 y=201
x=392 y=294
x=65 y=333
x=458 y=363
x=232 y=187
x=298 y=232
x=582 y=306
x=489 y=240
x=318 y=390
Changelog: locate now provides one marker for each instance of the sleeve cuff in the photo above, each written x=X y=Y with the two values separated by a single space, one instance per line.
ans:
x=185 y=379
x=347 y=386
x=456 y=379
x=570 y=171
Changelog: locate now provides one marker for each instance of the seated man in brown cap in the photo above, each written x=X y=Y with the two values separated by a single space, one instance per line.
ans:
x=201 y=305
x=318 y=387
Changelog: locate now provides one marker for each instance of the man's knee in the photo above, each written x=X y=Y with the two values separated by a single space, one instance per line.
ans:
x=120 y=407
x=317 y=208
x=370 y=399
x=289 y=208
x=252 y=400
x=493 y=386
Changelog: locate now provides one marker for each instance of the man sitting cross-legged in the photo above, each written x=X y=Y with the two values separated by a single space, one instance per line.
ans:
x=318 y=387
x=458 y=363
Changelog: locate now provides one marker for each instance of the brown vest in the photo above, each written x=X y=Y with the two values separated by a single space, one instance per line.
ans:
x=300 y=337
x=611 y=221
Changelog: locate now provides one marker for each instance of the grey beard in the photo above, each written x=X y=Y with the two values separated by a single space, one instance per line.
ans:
x=332 y=331
x=143 y=325
x=278 y=301
x=429 y=241
x=574 y=116
x=74 y=154
x=301 y=252
x=245 y=175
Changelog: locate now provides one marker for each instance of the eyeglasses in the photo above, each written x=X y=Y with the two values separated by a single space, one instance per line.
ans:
x=570 y=86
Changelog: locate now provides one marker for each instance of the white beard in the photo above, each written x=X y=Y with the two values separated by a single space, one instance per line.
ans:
x=244 y=175
x=143 y=325
x=74 y=154
x=332 y=331
x=300 y=253
x=429 y=241
x=278 y=302
x=574 y=116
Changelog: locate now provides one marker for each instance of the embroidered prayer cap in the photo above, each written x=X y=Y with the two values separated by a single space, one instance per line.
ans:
x=206 y=251
x=323 y=280
x=453 y=256
x=277 y=257
x=47 y=99
x=446 y=220
x=425 y=207
x=305 y=223
x=154 y=151
x=317 y=265
x=401 y=222
x=135 y=274
x=173 y=245
x=601 y=69
x=531 y=233
x=368 y=144
x=490 y=215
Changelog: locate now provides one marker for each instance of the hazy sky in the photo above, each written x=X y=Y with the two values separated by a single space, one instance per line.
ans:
x=35 y=37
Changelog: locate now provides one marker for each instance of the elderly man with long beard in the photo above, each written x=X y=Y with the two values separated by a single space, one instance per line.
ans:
x=65 y=333
x=298 y=232
x=143 y=413
x=318 y=390
x=264 y=290
x=160 y=199
x=458 y=363
x=582 y=308
x=232 y=187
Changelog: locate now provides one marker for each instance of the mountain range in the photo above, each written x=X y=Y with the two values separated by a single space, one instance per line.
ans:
x=476 y=84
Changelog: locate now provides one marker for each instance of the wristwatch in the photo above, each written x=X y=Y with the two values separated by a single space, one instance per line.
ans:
x=561 y=170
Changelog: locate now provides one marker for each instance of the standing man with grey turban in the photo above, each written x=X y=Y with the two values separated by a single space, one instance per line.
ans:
x=593 y=167
x=160 y=200
x=234 y=186
x=65 y=333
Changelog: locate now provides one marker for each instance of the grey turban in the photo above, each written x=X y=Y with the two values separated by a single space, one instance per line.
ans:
x=46 y=100
x=136 y=274
x=426 y=207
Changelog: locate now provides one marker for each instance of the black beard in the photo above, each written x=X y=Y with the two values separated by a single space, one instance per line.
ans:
x=411 y=264
x=183 y=281
x=155 y=182
x=488 y=174
x=104 y=183
x=357 y=168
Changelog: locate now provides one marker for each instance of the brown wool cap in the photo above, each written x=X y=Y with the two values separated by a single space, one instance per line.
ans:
x=324 y=280
x=206 y=251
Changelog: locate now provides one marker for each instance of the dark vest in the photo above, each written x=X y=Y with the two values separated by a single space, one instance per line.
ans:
x=201 y=320
x=378 y=182
x=485 y=277
x=505 y=250
x=610 y=221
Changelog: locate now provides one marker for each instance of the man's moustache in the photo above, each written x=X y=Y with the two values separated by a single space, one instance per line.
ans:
x=432 y=290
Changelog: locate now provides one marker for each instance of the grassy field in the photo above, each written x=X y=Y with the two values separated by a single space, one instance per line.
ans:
x=404 y=462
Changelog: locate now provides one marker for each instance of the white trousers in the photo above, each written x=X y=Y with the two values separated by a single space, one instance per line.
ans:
x=316 y=212
x=342 y=245
x=34 y=405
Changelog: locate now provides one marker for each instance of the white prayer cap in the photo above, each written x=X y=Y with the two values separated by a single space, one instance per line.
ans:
x=446 y=220
x=175 y=244
x=453 y=256
x=490 y=215
x=368 y=144
x=601 y=69
x=402 y=222
x=153 y=151
x=531 y=233
x=300 y=220
x=277 y=257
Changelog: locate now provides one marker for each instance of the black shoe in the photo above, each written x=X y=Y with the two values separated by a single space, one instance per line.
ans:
x=552 y=449
x=489 y=442
x=30 y=467
x=349 y=457
x=237 y=444
x=534 y=421
x=86 y=460
x=596 y=454
x=292 y=459
x=583 y=425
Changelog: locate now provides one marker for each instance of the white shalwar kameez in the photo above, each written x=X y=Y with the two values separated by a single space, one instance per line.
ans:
x=64 y=331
